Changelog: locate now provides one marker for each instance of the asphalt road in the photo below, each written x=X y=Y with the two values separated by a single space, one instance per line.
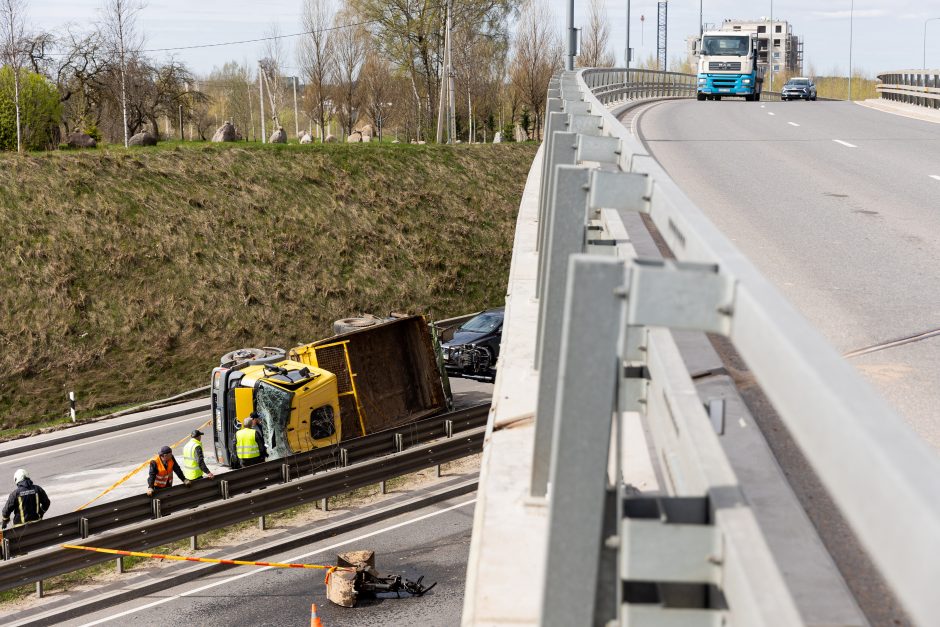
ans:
x=75 y=472
x=836 y=204
x=433 y=542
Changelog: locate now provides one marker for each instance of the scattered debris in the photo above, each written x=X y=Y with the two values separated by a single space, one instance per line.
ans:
x=343 y=587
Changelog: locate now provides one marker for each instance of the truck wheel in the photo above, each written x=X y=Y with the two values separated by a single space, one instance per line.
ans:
x=266 y=355
x=700 y=97
x=346 y=325
x=748 y=98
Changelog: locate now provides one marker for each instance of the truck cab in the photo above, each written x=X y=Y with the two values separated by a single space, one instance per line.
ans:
x=727 y=66
x=298 y=406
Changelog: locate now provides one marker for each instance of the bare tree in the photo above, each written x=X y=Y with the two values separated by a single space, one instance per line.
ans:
x=316 y=58
x=595 y=39
x=536 y=57
x=13 y=31
x=377 y=88
x=348 y=42
x=124 y=40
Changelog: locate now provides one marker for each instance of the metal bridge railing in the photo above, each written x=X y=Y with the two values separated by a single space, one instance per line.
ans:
x=619 y=84
x=603 y=347
x=919 y=87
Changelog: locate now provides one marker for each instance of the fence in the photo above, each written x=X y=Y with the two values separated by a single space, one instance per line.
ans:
x=603 y=347
x=919 y=87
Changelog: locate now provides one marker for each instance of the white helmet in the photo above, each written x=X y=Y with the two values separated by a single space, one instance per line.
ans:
x=19 y=475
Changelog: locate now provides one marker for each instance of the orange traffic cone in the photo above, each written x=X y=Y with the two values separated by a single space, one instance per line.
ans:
x=314 y=619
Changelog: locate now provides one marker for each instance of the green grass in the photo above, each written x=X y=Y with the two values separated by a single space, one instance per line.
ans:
x=129 y=272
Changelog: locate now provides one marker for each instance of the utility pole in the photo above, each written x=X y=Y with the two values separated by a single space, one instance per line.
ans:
x=296 y=117
x=572 y=38
x=770 y=46
x=851 y=21
x=451 y=104
x=627 y=55
x=264 y=139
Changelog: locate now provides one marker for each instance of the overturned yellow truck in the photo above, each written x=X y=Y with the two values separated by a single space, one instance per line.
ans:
x=349 y=385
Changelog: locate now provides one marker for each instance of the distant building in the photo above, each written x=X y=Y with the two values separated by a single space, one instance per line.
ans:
x=786 y=49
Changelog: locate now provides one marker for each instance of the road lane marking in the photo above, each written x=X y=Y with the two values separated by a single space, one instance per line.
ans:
x=846 y=144
x=261 y=570
x=128 y=431
x=935 y=177
x=771 y=113
x=792 y=123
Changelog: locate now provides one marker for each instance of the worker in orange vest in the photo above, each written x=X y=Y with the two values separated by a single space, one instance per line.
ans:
x=162 y=468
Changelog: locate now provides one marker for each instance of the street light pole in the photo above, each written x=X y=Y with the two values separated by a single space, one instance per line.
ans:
x=572 y=34
x=627 y=56
x=851 y=23
x=929 y=19
x=770 y=46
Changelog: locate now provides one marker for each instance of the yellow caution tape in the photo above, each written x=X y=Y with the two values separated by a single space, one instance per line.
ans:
x=209 y=560
x=136 y=470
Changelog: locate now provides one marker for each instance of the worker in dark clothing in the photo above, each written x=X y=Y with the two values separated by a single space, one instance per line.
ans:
x=162 y=468
x=249 y=444
x=27 y=502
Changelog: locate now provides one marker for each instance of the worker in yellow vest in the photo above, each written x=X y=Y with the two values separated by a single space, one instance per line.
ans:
x=249 y=444
x=162 y=468
x=194 y=461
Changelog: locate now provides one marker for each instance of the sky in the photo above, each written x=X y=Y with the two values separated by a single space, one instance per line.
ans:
x=887 y=34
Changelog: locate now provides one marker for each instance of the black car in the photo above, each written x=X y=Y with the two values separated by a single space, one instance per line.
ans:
x=798 y=88
x=472 y=351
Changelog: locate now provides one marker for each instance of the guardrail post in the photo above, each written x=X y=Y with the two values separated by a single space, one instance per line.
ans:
x=567 y=218
x=383 y=487
x=120 y=565
x=585 y=389
x=194 y=543
x=399 y=442
x=223 y=487
x=261 y=523
x=344 y=457
x=40 y=592
x=325 y=504
x=156 y=509
x=285 y=473
x=7 y=552
x=84 y=527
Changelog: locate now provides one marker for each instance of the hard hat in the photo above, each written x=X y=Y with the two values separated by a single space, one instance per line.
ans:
x=19 y=475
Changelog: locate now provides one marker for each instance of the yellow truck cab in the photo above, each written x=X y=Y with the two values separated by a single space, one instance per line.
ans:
x=298 y=406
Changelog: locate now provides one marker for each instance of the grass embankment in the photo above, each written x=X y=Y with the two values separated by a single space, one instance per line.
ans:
x=128 y=273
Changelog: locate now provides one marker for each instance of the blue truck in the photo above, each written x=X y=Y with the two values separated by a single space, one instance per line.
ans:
x=727 y=66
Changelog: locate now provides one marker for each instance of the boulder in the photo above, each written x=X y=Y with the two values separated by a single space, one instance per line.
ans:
x=330 y=139
x=367 y=130
x=306 y=139
x=279 y=136
x=80 y=140
x=142 y=138
x=226 y=133
x=497 y=138
x=355 y=138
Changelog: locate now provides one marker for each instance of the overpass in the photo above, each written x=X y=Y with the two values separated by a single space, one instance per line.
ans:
x=623 y=478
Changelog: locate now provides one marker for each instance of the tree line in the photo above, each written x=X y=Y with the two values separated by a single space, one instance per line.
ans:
x=363 y=62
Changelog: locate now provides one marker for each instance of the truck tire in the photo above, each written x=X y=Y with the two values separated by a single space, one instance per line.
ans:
x=266 y=355
x=700 y=97
x=345 y=325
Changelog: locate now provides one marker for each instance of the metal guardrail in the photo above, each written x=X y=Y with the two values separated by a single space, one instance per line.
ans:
x=619 y=84
x=919 y=87
x=279 y=495
x=603 y=347
x=120 y=513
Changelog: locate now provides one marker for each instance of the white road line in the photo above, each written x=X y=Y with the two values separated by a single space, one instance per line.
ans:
x=129 y=431
x=935 y=177
x=771 y=113
x=846 y=144
x=264 y=568
x=792 y=123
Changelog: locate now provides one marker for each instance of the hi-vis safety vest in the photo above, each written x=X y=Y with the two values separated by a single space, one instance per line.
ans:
x=190 y=465
x=164 y=476
x=22 y=510
x=246 y=447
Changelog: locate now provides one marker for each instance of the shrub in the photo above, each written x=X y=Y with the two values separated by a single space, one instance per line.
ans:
x=40 y=111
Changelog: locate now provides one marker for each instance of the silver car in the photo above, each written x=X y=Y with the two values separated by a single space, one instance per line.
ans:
x=799 y=88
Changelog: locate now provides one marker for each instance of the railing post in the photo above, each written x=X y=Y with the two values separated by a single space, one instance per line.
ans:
x=586 y=391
